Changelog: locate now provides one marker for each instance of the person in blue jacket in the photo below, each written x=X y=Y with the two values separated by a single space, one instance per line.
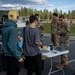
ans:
x=12 y=51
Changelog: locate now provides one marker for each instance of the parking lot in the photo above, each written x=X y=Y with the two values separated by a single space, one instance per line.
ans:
x=69 y=70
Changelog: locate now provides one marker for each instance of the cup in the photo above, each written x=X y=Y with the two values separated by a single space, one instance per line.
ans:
x=51 y=47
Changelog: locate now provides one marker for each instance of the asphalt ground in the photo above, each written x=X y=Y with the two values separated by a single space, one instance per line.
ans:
x=69 y=70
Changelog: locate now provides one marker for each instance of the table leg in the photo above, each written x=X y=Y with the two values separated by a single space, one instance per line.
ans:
x=51 y=67
x=61 y=69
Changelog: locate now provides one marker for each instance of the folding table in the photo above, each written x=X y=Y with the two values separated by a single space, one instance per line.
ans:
x=51 y=54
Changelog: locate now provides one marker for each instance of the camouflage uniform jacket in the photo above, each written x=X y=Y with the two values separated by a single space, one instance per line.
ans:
x=41 y=28
x=64 y=32
x=54 y=32
x=55 y=27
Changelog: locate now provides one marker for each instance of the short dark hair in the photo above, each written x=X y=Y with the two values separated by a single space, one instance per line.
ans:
x=62 y=16
x=36 y=14
x=32 y=18
x=55 y=14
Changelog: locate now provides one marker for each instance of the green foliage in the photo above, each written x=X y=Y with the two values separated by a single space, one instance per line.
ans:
x=45 y=14
x=3 y=12
x=55 y=10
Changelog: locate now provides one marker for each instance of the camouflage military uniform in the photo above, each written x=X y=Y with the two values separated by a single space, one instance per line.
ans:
x=64 y=38
x=41 y=28
x=54 y=32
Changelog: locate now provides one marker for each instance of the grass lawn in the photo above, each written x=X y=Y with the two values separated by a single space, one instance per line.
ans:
x=47 y=27
x=72 y=33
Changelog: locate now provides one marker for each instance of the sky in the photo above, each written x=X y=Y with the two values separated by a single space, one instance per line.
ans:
x=63 y=5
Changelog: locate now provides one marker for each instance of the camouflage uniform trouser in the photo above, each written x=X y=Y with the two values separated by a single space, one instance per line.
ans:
x=64 y=42
x=55 y=39
x=64 y=58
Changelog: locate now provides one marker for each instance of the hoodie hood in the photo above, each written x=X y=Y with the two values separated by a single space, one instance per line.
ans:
x=9 y=23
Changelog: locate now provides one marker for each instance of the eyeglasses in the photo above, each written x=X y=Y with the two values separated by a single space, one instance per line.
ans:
x=60 y=20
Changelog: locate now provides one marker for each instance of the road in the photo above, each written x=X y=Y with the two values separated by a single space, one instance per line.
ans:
x=69 y=70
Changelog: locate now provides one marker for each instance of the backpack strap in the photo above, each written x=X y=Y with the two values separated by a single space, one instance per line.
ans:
x=23 y=37
x=24 y=31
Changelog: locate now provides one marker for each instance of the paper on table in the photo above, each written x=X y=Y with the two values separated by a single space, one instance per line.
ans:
x=44 y=50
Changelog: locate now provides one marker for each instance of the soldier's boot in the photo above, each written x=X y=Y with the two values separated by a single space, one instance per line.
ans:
x=64 y=62
x=62 y=65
